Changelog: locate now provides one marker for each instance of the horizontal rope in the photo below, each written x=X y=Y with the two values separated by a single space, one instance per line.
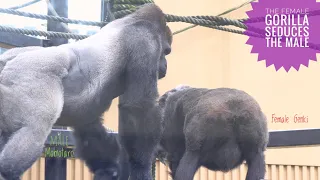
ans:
x=25 y=4
x=138 y=2
x=203 y=22
x=54 y=18
x=79 y=37
x=125 y=7
x=197 y=20
x=49 y=34
x=122 y=13
x=222 y=20
x=119 y=7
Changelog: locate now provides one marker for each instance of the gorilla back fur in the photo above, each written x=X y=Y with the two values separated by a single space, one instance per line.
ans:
x=214 y=128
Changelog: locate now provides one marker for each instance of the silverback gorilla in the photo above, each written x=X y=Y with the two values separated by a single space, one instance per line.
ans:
x=214 y=128
x=74 y=84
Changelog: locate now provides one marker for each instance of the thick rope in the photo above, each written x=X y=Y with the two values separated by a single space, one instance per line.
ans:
x=119 y=7
x=221 y=14
x=43 y=33
x=54 y=18
x=198 y=20
x=222 y=20
x=79 y=37
x=125 y=7
x=122 y=13
x=203 y=22
x=137 y=2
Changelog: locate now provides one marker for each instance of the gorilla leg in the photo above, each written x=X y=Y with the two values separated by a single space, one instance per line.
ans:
x=3 y=140
x=176 y=151
x=99 y=149
x=22 y=150
x=140 y=137
x=188 y=166
x=29 y=124
x=124 y=165
x=256 y=167
x=174 y=163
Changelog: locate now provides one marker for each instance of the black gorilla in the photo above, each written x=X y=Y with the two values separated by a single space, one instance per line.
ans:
x=214 y=128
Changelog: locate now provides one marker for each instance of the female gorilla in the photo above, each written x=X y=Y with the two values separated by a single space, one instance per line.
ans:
x=214 y=128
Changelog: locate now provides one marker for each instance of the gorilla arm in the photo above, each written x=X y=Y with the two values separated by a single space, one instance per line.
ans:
x=139 y=117
x=12 y=53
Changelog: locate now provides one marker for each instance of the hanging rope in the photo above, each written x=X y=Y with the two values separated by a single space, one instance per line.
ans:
x=53 y=18
x=122 y=8
x=198 y=20
x=136 y=2
x=24 y=5
x=49 y=34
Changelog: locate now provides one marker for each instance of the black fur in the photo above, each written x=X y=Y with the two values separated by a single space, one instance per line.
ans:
x=116 y=167
x=214 y=128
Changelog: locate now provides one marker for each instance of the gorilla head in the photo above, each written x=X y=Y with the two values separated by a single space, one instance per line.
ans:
x=166 y=51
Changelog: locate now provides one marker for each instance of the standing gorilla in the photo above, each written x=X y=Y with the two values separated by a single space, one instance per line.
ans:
x=214 y=128
x=74 y=84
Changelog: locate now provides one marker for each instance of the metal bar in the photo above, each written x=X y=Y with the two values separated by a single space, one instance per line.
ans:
x=19 y=40
x=65 y=134
x=301 y=137
x=298 y=137
x=107 y=10
x=102 y=14
x=56 y=167
x=61 y=143
x=61 y=7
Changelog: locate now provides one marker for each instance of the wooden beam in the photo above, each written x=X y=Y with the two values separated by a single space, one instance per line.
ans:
x=300 y=137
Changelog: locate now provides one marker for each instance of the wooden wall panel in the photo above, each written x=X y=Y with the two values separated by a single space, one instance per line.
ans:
x=273 y=172
x=76 y=170
x=36 y=172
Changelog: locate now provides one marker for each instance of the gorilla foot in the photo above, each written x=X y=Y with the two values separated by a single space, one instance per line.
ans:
x=106 y=174
x=141 y=172
x=7 y=177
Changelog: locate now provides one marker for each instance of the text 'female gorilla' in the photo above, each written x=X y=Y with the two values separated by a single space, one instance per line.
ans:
x=214 y=128
x=74 y=84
